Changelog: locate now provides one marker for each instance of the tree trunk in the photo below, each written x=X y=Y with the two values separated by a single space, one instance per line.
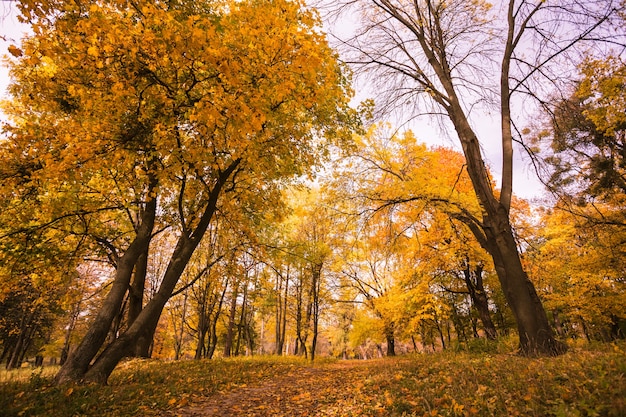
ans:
x=213 y=331
x=301 y=323
x=316 y=277
x=179 y=334
x=278 y=339
x=535 y=334
x=478 y=295
x=442 y=338
x=148 y=319
x=230 y=329
x=496 y=235
x=135 y=303
x=391 y=339
x=242 y=319
x=457 y=322
x=15 y=353
x=77 y=364
x=203 y=329
x=281 y=311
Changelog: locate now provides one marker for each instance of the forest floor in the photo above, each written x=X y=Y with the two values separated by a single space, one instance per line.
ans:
x=326 y=390
x=589 y=380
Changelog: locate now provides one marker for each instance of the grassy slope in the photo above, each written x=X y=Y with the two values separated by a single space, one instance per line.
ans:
x=584 y=382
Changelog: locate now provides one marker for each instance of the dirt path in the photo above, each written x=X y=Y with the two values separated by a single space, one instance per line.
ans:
x=325 y=390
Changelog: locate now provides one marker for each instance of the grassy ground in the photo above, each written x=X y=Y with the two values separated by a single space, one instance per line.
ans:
x=587 y=381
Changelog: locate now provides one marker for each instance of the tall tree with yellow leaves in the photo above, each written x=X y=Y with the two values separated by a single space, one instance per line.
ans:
x=135 y=117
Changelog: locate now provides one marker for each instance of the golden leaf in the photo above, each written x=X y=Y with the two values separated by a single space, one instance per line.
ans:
x=15 y=51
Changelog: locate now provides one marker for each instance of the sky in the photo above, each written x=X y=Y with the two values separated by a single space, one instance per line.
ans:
x=525 y=183
x=10 y=33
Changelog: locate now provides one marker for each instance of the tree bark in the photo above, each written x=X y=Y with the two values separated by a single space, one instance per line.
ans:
x=535 y=334
x=135 y=303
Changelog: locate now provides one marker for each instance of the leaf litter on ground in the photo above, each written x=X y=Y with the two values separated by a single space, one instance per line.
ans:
x=584 y=382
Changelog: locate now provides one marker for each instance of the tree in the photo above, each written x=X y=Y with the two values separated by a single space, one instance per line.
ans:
x=579 y=267
x=194 y=106
x=439 y=57
x=423 y=196
x=37 y=276
x=587 y=136
x=209 y=284
x=458 y=265
x=313 y=235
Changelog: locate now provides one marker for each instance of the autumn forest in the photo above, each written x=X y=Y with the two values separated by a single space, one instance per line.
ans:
x=200 y=180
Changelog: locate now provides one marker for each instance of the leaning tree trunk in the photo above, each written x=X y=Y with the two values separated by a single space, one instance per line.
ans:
x=77 y=364
x=150 y=314
x=135 y=303
x=535 y=334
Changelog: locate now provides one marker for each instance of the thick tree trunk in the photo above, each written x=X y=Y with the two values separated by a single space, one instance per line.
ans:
x=77 y=364
x=148 y=318
x=535 y=334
